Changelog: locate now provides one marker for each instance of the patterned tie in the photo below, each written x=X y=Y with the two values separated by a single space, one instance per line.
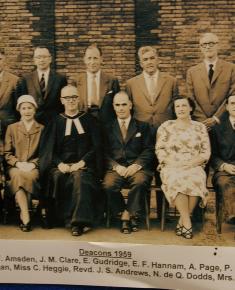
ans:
x=210 y=72
x=94 y=97
x=152 y=89
x=42 y=84
x=123 y=129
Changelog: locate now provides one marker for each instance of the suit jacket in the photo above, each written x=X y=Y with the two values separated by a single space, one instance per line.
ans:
x=22 y=145
x=210 y=98
x=137 y=148
x=7 y=99
x=158 y=112
x=109 y=86
x=49 y=105
x=223 y=143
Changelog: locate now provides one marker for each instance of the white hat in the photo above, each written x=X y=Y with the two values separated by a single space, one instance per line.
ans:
x=26 y=99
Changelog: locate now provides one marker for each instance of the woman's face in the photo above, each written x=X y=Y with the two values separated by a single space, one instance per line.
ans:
x=27 y=111
x=182 y=109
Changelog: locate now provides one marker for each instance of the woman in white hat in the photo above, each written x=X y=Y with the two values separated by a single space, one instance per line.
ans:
x=21 y=154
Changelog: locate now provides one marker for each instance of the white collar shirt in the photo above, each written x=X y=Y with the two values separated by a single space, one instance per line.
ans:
x=90 y=77
x=232 y=121
x=208 y=63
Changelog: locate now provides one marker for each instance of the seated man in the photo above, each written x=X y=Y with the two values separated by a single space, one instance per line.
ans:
x=76 y=144
x=129 y=154
x=223 y=160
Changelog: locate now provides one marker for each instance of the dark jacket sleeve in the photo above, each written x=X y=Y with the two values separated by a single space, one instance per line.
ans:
x=216 y=160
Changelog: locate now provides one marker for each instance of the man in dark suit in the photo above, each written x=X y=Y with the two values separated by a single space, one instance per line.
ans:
x=44 y=85
x=210 y=82
x=223 y=159
x=8 y=82
x=129 y=152
x=151 y=93
x=96 y=87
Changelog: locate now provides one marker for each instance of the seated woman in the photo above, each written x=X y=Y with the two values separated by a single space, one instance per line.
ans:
x=21 y=154
x=183 y=149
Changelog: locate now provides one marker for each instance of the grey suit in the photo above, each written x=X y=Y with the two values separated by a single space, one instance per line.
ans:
x=210 y=98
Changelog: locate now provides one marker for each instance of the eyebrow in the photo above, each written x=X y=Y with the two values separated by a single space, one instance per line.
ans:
x=118 y=104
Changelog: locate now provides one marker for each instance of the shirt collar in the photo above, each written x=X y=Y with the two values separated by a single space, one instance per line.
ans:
x=127 y=121
x=90 y=75
x=148 y=76
x=46 y=73
x=232 y=121
x=207 y=63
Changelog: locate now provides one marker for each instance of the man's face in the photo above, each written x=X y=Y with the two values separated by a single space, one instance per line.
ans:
x=231 y=106
x=149 y=62
x=122 y=106
x=2 y=62
x=92 y=60
x=209 y=46
x=70 y=99
x=42 y=58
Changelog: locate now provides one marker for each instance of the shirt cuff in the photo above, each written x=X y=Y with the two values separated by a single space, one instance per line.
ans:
x=221 y=168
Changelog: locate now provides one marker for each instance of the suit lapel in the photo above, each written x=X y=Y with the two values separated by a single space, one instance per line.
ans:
x=160 y=82
x=117 y=131
x=36 y=83
x=143 y=87
x=82 y=89
x=228 y=133
x=103 y=87
x=132 y=129
x=218 y=70
x=51 y=80
x=202 y=72
x=3 y=87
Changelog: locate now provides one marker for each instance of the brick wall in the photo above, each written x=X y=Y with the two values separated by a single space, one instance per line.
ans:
x=174 y=26
x=119 y=27
x=109 y=23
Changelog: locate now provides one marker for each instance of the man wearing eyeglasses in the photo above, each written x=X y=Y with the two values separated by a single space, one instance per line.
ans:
x=76 y=145
x=44 y=85
x=210 y=82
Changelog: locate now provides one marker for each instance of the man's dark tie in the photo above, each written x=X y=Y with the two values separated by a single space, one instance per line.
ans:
x=123 y=129
x=210 y=72
x=42 y=85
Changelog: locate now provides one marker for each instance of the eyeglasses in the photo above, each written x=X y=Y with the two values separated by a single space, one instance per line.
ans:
x=73 y=98
x=210 y=44
x=41 y=56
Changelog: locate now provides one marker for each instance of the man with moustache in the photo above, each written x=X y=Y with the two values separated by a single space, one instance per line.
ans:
x=44 y=85
x=129 y=154
x=210 y=82
x=96 y=87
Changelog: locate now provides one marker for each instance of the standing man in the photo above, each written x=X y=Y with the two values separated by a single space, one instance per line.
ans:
x=44 y=85
x=223 y=162
x=210 y=82
x=95 y=87
x=129 y=155
x=151 y=93
x=8 y=83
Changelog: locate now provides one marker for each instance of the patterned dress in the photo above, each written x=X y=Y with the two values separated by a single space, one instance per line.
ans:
x=175 y=145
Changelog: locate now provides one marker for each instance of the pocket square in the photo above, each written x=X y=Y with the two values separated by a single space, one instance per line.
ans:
x=110 y=92
x=138 y=134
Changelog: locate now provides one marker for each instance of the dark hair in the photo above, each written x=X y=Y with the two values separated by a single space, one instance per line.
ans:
x=190 y=101
x=41 y=47
x=94 y=45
